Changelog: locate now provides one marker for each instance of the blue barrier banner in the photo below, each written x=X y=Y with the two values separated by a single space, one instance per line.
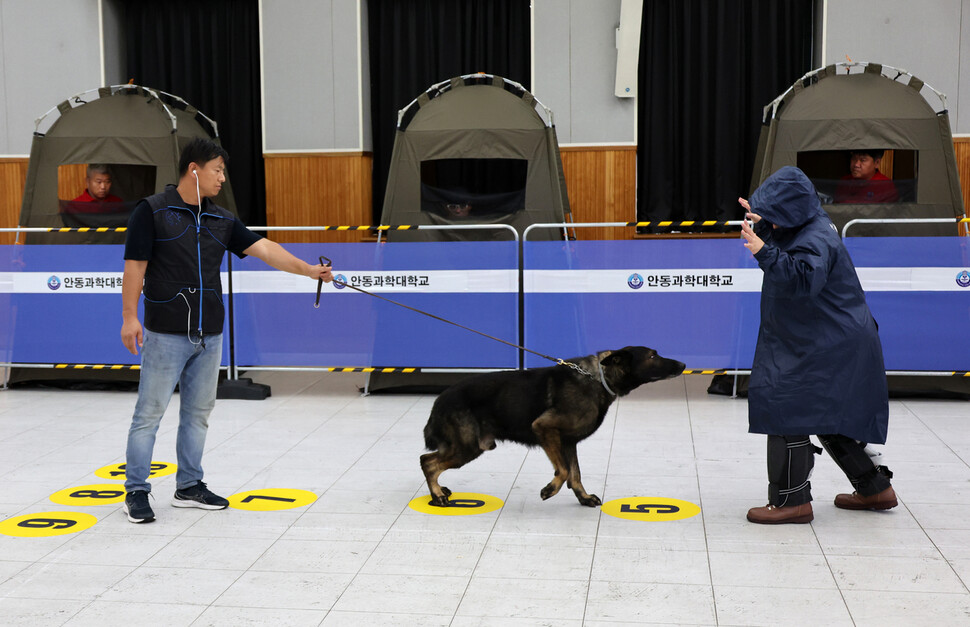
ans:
x=692 y=300
x=698 y=300
x=62 y=304
x=474 y=284
x=918 y=289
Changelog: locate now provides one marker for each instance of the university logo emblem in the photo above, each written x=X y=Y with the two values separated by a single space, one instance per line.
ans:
x=342 y=279
x=635 y=281
x=53 y=282
x=963 y=279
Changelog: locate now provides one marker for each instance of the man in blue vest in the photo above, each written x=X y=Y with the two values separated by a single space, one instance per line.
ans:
x=175 y=244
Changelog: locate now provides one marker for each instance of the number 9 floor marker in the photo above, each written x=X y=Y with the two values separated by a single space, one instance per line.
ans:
x=46 y=524
x=650 y=508
x=271 y=499
x=88 y=495
x=460 y=504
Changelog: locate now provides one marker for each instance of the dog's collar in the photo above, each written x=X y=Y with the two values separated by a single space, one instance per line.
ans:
x=599 y=367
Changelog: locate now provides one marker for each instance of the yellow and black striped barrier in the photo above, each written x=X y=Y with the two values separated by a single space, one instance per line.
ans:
x=97 y=367
x=382 y=370
x=384 y=227
x=87 y=229
x=685 y=223
x=410 y=370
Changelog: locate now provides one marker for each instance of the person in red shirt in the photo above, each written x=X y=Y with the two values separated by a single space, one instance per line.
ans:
x=865 y=184
x=98 y=185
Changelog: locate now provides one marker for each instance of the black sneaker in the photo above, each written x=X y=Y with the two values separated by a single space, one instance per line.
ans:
x=137 y=507
x=199 y=496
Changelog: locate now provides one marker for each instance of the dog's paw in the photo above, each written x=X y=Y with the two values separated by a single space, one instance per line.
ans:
x=439 y=501
x=446 y=491
x=549 y=491
x=590 y=501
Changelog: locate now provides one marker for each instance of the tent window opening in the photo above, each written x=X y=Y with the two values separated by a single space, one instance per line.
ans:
x=863 y=176
x=101 y=194
x=473 y=189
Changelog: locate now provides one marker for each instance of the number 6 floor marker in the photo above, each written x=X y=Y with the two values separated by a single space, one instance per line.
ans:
x=271 y=499
x=650 y=508
x=459 y=504
x=46 y=524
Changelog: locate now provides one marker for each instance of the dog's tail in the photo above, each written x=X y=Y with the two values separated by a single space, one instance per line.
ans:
x=430 y=438
x=430 y=441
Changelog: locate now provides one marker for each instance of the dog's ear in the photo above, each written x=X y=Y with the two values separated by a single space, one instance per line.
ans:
x=618 y=358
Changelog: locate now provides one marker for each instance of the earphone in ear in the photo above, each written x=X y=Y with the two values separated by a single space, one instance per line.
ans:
x=194 y=173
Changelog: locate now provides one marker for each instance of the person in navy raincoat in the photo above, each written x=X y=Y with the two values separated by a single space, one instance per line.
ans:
x=818 y=366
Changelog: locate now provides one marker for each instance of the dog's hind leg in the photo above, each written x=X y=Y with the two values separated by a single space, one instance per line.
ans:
x=431 y=466
x=575 y=481
x=547 y=432
x=435 y=463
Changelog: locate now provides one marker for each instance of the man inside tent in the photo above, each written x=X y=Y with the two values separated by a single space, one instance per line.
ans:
x=98 y=185
x=865 y=184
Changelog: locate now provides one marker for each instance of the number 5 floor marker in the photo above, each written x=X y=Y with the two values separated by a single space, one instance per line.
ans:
x=650 y=508
x=46 y=524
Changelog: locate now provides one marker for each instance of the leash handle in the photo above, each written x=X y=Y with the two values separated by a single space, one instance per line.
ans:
x=316 y=304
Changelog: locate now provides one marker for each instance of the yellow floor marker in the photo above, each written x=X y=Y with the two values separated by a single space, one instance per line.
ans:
x=271 y=499
x=88 y=495
x=46 y=524
x=117 y=471
x=650 y=508
x=461 y=504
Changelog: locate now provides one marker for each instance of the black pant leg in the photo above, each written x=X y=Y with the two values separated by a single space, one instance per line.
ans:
x=851 y=457
x=790 y=462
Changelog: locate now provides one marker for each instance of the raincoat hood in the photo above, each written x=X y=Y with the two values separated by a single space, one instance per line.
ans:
x=787 y=199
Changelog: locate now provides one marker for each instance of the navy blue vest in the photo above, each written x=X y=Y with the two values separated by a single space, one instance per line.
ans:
x=183 y=290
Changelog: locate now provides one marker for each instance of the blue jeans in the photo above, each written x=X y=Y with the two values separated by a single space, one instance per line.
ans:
x=167 y=359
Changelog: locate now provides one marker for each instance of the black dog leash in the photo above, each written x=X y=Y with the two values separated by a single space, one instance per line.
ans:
x=561 y=362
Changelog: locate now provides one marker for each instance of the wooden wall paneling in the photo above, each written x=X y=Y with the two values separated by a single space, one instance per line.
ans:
x=72 y=180
x=13 y=176
x=318 y=189
x=601 y=182
x=961 y=146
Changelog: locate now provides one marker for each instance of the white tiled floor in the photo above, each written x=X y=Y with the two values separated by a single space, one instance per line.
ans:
x=359 y=556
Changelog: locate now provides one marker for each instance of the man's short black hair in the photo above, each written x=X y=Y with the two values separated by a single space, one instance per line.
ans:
x=201 y=151
x=875 y=153
x=97 y=168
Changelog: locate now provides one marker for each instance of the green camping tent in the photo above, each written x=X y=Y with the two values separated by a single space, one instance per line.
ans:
x=474 y=150
x=853 y=106
x=138 y=132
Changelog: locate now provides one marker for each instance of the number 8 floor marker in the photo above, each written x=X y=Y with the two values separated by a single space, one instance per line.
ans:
x=88 y=495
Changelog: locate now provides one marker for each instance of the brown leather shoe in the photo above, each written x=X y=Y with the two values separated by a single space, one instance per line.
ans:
x=884 y=500
x=771 y=515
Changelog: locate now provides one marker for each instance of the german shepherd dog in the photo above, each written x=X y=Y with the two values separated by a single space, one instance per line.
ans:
x=554 y=407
